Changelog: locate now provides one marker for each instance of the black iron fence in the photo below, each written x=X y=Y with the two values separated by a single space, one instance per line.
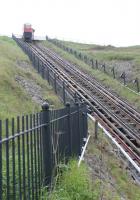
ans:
x=128 y=80
x=47 y=71
x=32 y=146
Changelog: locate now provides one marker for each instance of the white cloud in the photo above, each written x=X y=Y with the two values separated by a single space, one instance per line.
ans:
x=113 y=22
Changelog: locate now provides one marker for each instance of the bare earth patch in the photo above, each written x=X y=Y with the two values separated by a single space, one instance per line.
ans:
x=34 y=90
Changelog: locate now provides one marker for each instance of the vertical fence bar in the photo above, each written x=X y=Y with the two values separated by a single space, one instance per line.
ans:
x=0 y=160
x=78 y=129
x=38 y=153
x=85 y=124
x=35 y=158
x=96 y=64
x=96 y=130
x=42 y=71
x=92 y=63
x=48 y=75
x=47 y=147
x=104 y=67
x=32 y=157
x=13 y=159
x=69 y=129
x=64 y=94
x=7 y=160
x=28 y=158
x=19 y=158
x=55 y=89
x=75 y=97
x=113 y=71
x=23 y=160
x=41 y=149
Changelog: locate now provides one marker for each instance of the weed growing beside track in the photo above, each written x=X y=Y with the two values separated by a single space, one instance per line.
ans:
x=73 y=183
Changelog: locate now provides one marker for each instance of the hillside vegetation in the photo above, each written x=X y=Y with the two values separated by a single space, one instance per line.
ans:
x=106 y=80
x=108 y=53
x=17 y=79
x=109 y=169
x=122 y=58
x=22 y=91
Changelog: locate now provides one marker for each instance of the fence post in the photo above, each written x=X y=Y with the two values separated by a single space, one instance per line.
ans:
x=85 y=59
x=137 y=84
x=92 y=63
x=123 y=76
x=46 y=145
x=78 y=133
x=96 y=129
x=80 y=56
x=113 y=70
x=42 y=70
x=104 y=68
x=138 y=87
x=64 y=95
x=55 y=88
x=48 y=75
x=75 y=97
x=69 y=130
x=85 y=133
x=96 y=64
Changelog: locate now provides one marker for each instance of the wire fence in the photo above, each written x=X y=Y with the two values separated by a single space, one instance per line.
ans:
x=124 y=77
x=32 y=146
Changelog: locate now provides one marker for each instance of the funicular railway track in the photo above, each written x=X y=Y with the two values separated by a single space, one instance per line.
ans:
x=120 y=119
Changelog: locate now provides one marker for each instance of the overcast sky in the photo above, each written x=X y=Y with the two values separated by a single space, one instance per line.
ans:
x=115 y=22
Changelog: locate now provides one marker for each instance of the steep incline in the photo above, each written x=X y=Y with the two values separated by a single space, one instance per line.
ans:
x=22 y=90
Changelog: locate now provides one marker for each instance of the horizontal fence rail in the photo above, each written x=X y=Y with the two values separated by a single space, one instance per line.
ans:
x=32 y=146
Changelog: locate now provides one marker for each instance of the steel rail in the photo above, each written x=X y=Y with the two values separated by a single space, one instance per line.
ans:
x=102 y=114
x=134 y=120
x=122 y=104
x=92 y=79
x=128 y=141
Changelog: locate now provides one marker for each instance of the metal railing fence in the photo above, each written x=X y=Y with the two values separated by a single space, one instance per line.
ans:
x=32 y=146
x=46 y=70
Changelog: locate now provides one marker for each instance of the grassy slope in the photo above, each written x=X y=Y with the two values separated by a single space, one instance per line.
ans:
x=73 y=183
x=124 y=186
x=108 y=52
x=13 y=99
x=117 y=87
x=120 y=184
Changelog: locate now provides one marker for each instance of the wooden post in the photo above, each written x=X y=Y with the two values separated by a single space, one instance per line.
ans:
x=96 y=129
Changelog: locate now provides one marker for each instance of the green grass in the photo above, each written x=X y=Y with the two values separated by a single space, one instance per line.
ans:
x=111 y=54
x=123 y=183
x=106 y=80
x=106 y=52
x=73 y=183
x=14 y=100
